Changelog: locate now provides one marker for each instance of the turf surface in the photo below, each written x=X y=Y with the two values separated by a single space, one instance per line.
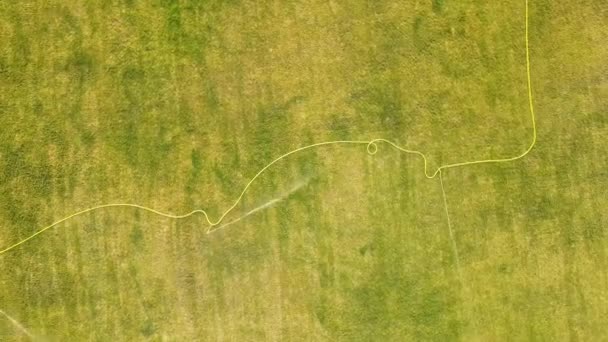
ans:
x=177 y=104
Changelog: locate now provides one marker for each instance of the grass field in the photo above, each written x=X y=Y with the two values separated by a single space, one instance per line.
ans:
x=175 y=105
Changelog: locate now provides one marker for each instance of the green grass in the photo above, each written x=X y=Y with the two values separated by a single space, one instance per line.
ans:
x=177 y=104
